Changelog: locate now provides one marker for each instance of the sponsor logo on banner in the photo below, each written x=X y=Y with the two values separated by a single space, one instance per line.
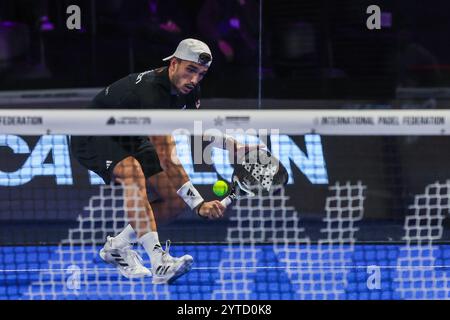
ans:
x=423 y=121
x=231 y=120
x=218 y=121
x=237 y=120
x=381 y=120
x=50 y=157
x=20 y=120
x=129 y=121
x=410 y=121
x=338 y=121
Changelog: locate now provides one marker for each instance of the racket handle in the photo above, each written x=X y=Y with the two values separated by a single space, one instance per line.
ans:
x=226 y=202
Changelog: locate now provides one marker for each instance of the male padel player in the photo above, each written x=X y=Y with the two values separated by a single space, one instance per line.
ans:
x=143 y=162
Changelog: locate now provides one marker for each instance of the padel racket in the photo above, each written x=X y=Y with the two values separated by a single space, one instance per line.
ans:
x=256 y=170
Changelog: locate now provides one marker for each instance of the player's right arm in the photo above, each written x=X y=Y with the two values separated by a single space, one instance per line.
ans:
x=235 y=148
x=166 y=149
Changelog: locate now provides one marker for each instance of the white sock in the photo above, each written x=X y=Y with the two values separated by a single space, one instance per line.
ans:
x=150 y=242
x=125 y=238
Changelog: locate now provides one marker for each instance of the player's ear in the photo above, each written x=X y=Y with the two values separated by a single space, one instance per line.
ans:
x=174 y=62
x=171 y=64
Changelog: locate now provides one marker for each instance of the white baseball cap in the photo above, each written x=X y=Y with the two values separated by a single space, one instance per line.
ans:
x=193 y=50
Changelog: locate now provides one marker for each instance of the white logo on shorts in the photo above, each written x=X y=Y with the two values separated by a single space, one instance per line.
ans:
x=108 y=163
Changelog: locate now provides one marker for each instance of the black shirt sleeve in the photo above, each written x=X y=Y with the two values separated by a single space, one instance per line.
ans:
x=120 y=94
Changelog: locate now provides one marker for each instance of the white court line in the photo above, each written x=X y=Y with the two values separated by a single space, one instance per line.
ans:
x=237 y=268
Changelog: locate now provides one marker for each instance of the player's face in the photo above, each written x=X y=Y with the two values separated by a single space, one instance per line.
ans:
x=186 y=75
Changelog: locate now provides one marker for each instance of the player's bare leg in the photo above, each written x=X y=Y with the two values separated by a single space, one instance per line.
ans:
x=165 y=268
x=139 y=212
x=118 y=250
x=169 y=204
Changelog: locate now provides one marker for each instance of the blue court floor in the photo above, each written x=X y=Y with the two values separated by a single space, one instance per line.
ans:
x=222 y=272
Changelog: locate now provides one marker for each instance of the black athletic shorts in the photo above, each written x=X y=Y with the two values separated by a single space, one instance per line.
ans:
x=101 y=154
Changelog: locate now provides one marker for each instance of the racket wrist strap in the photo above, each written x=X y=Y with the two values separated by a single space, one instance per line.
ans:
x=190 y=195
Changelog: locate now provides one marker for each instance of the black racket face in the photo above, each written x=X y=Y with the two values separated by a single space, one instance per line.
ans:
x=259 y=169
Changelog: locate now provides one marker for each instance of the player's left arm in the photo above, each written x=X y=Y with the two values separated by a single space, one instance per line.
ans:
x=227 y=142
x=166 y=149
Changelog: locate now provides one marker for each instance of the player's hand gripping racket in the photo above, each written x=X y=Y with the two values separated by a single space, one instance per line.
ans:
x=256 y=170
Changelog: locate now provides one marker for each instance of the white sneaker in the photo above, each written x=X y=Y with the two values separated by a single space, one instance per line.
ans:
x=127 y=261
x=166 y=269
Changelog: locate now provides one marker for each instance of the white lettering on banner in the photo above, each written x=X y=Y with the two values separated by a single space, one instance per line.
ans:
x=36 y=164
x=424 y=121
x=347 y=121
x=382 y=121
x=18 y=146
x=311 y=164
x=389 y=121
x=95 y=178
x=20 y=121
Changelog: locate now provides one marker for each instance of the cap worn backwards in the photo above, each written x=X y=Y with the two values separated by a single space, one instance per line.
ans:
x=192 y=50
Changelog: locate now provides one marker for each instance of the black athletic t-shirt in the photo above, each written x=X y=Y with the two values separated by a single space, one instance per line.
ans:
x=146 y=90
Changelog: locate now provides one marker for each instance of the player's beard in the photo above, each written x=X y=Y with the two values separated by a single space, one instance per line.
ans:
x=178 y=84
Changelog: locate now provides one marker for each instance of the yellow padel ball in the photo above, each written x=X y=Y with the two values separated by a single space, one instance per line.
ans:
x=220 y=188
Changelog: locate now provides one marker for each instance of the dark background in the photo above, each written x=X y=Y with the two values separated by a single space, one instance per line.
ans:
x=310 y=49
